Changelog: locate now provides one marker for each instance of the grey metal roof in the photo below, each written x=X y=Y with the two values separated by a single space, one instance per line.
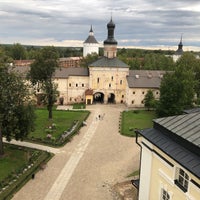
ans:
x=71 y=71
x=193 y=110
x=145 y=78
x=186 y=126
x=91 y=39
x=109 y=62
x=143 y=82
x=60 y=72
x=176 y=151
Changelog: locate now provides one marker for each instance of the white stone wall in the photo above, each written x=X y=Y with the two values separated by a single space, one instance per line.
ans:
x=89 y=48
x=145 y=171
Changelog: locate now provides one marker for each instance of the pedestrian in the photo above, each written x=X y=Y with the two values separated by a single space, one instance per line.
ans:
x=33 y=176
x=99 y=117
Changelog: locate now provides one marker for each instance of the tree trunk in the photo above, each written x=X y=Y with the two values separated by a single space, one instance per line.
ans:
x=50 y=112
x=1 y=144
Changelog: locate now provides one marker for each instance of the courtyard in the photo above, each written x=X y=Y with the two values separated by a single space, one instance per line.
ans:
x=90 y=165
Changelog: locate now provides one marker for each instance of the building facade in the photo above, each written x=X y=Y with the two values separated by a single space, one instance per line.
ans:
x=170 y=159
x=107 y=80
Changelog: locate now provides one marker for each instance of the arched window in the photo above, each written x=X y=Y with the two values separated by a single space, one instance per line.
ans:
x=164 y=195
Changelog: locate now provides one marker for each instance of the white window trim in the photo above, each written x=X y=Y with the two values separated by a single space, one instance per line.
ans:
x=164 y=186
x=165 y=177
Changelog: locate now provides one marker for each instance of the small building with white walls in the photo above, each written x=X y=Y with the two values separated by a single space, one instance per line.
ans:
x=90 y=45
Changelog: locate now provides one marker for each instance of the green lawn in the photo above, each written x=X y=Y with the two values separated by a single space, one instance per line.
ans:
x=13 y=160
x=132 y=120
x=17 y=166
x=63 y=121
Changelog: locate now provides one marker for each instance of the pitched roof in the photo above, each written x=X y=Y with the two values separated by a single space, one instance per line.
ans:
x=176 y=151
x=109 y=62
x=179 y=138
x=62 y=72
x=186 y=126
x=145 y=78
x=71 y=71
x=91 y=39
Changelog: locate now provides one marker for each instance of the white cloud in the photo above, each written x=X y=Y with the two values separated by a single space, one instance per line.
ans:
x=141 y=23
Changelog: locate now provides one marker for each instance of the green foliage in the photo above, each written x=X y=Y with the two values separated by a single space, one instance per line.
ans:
x=41 y=75
x=16 y=110
x=133 y=120
x=176 y=93
x=158 y=62
x=149 y=100
x=86 y=61
x=18 y=52
x=147 y=59
x=79 y=106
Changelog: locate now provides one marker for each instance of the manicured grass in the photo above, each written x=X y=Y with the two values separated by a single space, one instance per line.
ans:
x=132 y=120
x=13 y=160
x=17 y=166
x=62 y=121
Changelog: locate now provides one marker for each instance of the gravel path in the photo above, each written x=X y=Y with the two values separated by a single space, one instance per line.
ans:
x=88 y=166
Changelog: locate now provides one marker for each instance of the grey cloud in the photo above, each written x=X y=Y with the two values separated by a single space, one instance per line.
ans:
x=141 y=22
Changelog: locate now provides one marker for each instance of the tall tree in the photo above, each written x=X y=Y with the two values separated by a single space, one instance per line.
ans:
x=176 y=93
x=16 y=109
x=149 y=100
x=41 y=73
x=18 y=52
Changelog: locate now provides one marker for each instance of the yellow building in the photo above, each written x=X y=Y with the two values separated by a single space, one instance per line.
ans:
x=170 y=159
x=108 y=79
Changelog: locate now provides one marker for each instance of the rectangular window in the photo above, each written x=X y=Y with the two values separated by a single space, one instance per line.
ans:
x=76 y=84
x=182 y=180
x=70 y=84
x=120 y=82
x=97 y=80
x=82 y=84
x=109 y=84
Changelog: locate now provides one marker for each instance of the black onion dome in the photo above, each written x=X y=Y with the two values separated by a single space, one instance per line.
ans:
x=110 y=39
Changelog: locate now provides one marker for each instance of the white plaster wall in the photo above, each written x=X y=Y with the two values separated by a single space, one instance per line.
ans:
x=89 y=48
x=145 y=172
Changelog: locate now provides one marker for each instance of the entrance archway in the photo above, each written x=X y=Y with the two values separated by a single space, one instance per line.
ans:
x=98 y=97
x=111 y=98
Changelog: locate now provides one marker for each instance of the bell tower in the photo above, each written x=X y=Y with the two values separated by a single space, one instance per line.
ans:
x=110 y=44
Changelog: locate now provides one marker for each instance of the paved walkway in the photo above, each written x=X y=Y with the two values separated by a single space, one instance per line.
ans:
x=88 y=166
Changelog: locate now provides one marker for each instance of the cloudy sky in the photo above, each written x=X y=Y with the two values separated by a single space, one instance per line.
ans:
x=139 y=23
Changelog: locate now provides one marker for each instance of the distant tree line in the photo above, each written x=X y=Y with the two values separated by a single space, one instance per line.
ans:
x=27 y=52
